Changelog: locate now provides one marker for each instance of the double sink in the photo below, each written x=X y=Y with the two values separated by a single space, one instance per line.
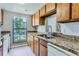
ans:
x=46 y=36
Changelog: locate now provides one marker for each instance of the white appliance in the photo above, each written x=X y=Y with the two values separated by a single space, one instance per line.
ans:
x=6 y=44
x=57 y=51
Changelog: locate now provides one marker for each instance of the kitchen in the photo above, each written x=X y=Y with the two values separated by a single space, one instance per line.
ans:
x=52 y=30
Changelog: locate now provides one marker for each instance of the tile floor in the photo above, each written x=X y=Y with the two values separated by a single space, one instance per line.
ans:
x=21 y=51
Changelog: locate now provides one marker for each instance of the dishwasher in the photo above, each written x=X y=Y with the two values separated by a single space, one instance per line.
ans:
x=54 y=50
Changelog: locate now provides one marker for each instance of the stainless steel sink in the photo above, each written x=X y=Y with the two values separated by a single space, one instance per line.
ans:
x=46 y=36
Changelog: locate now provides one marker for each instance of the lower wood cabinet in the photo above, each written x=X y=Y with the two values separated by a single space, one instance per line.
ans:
x=1 y=51
x=30 y=41
x=43 y=48
x=36 y=46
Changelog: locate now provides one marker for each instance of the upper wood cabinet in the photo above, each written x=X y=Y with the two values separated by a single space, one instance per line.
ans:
x=43 y=11
x=1 y=16
x=63 y=12
x=50 y=6
x=37 y=15
x=33 y=20
x=75 y=11
x=37 y=18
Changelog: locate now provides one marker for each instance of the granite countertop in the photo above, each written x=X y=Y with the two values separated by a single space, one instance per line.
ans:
x=65 y=43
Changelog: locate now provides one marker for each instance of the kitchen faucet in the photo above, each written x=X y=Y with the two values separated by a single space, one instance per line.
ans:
x=49 y=30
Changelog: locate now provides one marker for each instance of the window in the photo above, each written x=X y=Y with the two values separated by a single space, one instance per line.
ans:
x=19 y=29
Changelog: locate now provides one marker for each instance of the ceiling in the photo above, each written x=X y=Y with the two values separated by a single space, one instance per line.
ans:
x=24 y=8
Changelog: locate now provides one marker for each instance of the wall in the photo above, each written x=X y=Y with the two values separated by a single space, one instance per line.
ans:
x=51 y=20
x=8 y=19
x=70 y=28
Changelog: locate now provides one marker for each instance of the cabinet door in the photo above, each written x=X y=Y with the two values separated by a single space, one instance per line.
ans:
x=63 y=12
x=1 y=51
x=50 y=6
x=1 y=16
x=36 y=46
x=59 y=13
x=33 y=20
x=43 y=50
x=37 y=18
x=42 y=11
x=75 y=11
x=30 y=41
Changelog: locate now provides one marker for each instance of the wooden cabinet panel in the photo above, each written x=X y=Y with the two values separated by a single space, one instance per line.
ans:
x=63 y=12
x=1 y=51
x=36 y=46
x=37 y=18
x=30 y=41
x=42 y=11
x=59 y=13
x=1 y=16
x=43 y=48
x=75 y=11
x=50 y=6
x=33 y=20
x=37 y=15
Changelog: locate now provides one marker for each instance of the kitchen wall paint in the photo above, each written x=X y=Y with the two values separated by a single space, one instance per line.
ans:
x=70 y=28
x=0 y=33
x=8 y=18
x=51 y=20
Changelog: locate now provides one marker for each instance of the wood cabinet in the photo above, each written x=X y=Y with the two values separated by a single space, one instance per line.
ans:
x=33 y=20
x=37 y=18
x=43 y=48
x=36 y=46
x=1 y=51
x=63 y=12
x=43 y=11
x=1 y=16
x=30 y=41
x=75 y=11
x=50 y=6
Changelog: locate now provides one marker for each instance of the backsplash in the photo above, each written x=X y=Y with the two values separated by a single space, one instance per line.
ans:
x=58 y=29
x=68 y=37
x=51 y=20
x=70 y=28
